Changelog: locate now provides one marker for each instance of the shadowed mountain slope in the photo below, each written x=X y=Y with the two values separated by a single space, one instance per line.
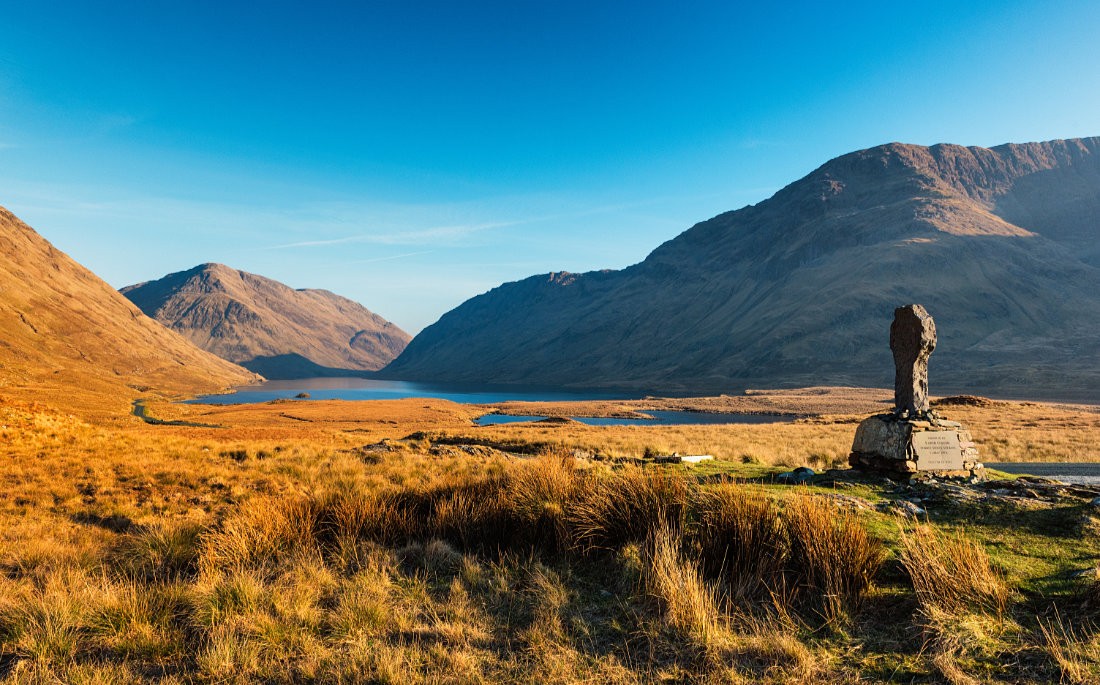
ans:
x=1002 y=246
x=67 y=338
x=267 y=326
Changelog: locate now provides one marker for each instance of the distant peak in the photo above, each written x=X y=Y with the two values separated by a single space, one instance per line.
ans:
x=215 y=267
x=250 y=318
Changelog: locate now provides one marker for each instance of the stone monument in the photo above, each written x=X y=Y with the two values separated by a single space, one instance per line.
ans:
x=913 y=437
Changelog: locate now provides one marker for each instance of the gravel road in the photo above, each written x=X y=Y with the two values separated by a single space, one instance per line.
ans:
x=1082 y=473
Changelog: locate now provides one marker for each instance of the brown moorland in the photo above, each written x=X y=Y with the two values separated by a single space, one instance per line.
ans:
x=397 y=542
x=821 y=436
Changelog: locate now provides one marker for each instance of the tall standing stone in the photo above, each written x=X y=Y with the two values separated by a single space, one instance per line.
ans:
x=913 y=437
x=912 y=339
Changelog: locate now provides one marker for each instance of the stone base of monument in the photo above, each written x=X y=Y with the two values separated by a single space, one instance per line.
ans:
x=889 y=442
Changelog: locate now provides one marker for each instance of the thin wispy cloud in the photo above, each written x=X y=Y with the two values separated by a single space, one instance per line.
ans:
x=321 y=243
x=390 y=258
x=408 y=237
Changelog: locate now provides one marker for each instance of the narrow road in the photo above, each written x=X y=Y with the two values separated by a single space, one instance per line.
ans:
x=1081 y=473
x=142 y=412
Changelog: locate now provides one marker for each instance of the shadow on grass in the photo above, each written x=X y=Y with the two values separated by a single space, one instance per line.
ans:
x=116 y=523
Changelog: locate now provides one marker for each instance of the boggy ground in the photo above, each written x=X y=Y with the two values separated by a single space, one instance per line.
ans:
x=396 y=542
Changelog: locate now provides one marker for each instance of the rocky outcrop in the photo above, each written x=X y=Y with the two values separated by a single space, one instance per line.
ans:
x=269 y=327
x=1002 y=244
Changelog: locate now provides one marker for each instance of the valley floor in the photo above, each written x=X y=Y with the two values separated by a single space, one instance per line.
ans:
x=397 y=542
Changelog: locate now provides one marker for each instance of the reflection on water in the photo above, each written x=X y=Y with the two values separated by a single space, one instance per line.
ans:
x=370 y=389
x=660 y=418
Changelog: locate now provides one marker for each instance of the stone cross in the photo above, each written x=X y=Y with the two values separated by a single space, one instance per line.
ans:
x=912 y=339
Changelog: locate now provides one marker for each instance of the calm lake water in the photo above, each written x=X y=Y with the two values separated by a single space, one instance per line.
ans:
x=660 y=418
x=369 y=389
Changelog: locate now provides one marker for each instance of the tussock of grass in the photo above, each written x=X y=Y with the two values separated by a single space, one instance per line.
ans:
x=542 y=493
x=688 y=602
x=628 y=507
x=742 y=540
x=951 y=573
x=1076 y=653
x=161 y=552
x=809 y=551
x=832 y=556
x=962 y=599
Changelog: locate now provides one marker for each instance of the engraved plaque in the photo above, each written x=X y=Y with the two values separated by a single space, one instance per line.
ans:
x=937 y=451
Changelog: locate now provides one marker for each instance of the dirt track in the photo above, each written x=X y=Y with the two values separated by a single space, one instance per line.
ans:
x=1083 y=473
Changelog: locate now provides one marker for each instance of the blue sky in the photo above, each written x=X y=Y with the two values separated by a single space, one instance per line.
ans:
x=410 y=155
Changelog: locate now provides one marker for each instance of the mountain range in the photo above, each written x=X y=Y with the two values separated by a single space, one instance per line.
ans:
x=268 y=327
x=1002 y=245
x=64 y=333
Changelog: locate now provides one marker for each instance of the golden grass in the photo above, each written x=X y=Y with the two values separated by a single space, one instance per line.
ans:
x=280 y=550
x=742 y=540
x=628 y=507
x=963 y=601
x=951 y=573
x=833 y=557
x=689 y=603
x=1077 y=653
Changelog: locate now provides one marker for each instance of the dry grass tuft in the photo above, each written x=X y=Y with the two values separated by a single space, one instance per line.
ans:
x=833 y=558
x=1076 y=654
x=962 y=599
x=951 y=573
x=161 y=552
x=474 y=514
x=628 y=506
x=742 y=540
x=688 y=602
x=542 y=491
x=769 y=650
x=810 y=552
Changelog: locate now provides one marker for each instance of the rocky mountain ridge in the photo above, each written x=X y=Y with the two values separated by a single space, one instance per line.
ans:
x=1002 y=245
x=267 y=326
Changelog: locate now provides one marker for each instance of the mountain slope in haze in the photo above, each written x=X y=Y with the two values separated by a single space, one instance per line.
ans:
x=67 y=336
x=268 y=327
x=1002 y=246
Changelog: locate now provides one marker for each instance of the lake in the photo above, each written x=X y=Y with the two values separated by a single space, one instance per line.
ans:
x=370 y=389
x=660 y=418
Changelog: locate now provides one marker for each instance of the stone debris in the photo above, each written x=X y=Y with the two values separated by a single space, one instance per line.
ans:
x=906 y=507
x=383 y=445
x=1091 y=573
x=848 y=501
x=799 y=476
